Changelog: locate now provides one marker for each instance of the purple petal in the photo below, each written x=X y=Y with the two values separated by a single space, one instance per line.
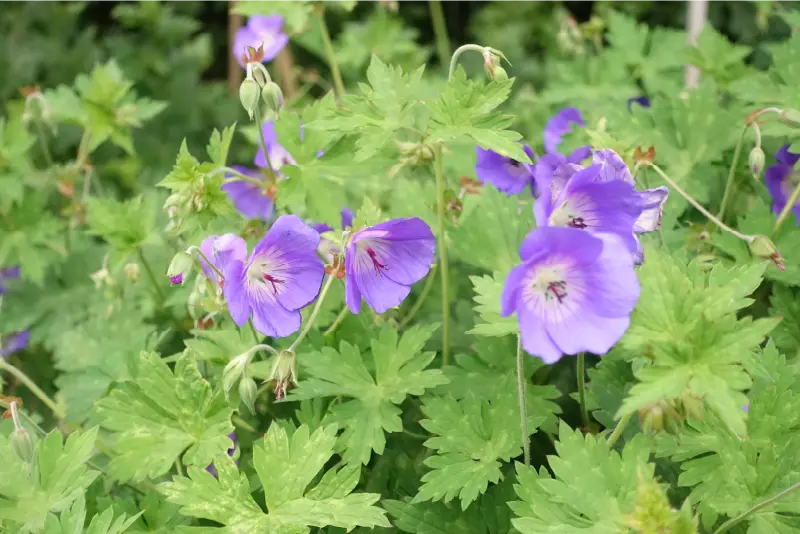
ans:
x=11 y=343
x=261 y=31
x=273 y=320
x=579 y=154
x=653 y=201
x=235 y=292
x=405 y=247
x=785 y=157
x=558 y=125
x=614 y=285
x=612 y=167
x=8 y=273
x=588 y=332
x=507 y=175
x=321 y=228
x=347 y=218
x=243 y=38
x=177 y=279
x=378 y=290
x=249 y=199
x=511 y=287
x=352 y=295
x=289 y=234
x=535 y=339
x=641 y=100
x=221 y=250
x=278 y=157
x=560 y=242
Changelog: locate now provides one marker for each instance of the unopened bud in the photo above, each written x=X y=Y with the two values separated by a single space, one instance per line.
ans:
x=273 y=97
x=22 y=443
x=283 y=372
x=762 y=247
x=756 y=160
x=500 y=74
x=180 y=267
x=790 y=117
x=248 y=95
x=247 y=392
x=233 y=372
x=491 y=62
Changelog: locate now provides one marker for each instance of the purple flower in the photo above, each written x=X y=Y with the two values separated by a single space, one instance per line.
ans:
x=781 y=180
x=249 y=199
x=643 y=101
x=321 y=228
x=347 y=218
x=177 y=279
x=381 y=262
x=278 y=156
x=260 y=31
x=558 y=125
x=282 y=275
x=7 y=273
x=573 y=292
x=221 y=249
x=231 y=451
x=14 y=342
x=506 y=174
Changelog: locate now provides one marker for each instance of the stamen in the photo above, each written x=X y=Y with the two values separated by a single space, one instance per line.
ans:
x=272 y=280
x=375 y=263
x=577 y=222
x=557 y=289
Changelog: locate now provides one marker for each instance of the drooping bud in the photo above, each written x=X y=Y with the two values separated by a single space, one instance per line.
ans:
x=500 y=74
x=233 y=372
x=762 y=247
x=490 y=63
x=756 y=160
x=283 y=372
x=273 y=98
x=248 y=95
x=180 y=267
x=247 y=392
x=790 y=117
x=22 y=443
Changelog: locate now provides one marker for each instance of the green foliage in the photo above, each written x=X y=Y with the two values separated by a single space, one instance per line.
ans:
x=399 y=370
x=286 y=466
x=487 y=304
x=72 y=521
x=126 y=226
x=162 y=416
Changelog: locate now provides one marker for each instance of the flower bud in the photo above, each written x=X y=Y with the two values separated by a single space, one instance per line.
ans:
x=283 y=372
x=790 y=117
x=22 y=443
x=247 y=392
x=500 y=74
x=248 y=95
x=233 y=372
x=181 y=265
x=756 y=160
x=762 y=247
x=273 y=97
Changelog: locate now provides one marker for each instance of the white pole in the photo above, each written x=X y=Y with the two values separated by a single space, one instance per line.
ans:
x=697 y=16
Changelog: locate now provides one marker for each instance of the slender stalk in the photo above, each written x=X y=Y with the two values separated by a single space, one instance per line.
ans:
x=31 y=385
x=422 y=296
x=523 y=409
x=337 y=321
x=699 y=206
x=612 y=439
x=48 y=157
x=731 y=173
x=314 y=313
x=239 y=177
x=787 y=209
x=440 y=211
x=150 y=275
x=581 y=373
x=178 y=466
x=238 y=421
x=727 y=525
x=326 y=41
x=440 y=31
x=262 y=141
x=195 y=249
x=460 y=50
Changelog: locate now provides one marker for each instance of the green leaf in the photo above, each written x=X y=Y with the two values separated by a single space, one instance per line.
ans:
x=715 y=56
x=164 y=415
x=286 y=467
x=787 y=306
x=126 y=225
x=72 y=521
x=487 y=304
x=58 y=477
x=219 y=144
x=399 y=371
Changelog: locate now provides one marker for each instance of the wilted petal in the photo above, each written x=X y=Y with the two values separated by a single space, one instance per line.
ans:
x=653 y=201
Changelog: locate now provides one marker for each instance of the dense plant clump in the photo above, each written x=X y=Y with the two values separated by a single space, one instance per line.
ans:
x=373 y=305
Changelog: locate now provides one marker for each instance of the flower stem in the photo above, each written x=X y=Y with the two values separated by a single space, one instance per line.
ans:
x=731 y=173
x=337 y=321
x=31 y=385
x=523 y=411
x=326 y=41
x=422 y=296
x=440 y=31
x=214 y=268
x=581 y=373
x=238 y=421
x=150 y=275
x=239 y=177
x=43 y=141
x=787 y=209
x=314 y=313
x=440 y=211
x=460 y=50
x=699 y=207
x=262 y=141
x=612 y=439
x=727 y=525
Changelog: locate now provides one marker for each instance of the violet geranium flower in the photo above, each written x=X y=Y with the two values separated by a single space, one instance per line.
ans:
x=781 y=179
x=221 y=249
x=558 y=125
x=7 y=273
x=231 y=451
x=249 y=199
x=506 y=174
x=260 y=32
x=573 y=292
x=278 y=156
x=14 y=342
x=383 y=261
x=282 y=275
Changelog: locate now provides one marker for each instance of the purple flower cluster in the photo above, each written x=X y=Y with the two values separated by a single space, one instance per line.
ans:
x=15 y=341
x=781 y=179
x=576 y=286
x=260 y=32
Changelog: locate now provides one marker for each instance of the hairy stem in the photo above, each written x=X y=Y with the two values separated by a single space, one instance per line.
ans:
x=31 y=385
x=727 y=525
x=612 y=439
x=422 y=296
x=440 y=31
x=731 y=173
x=787 y=209
x=262 y=141
x=523 y=411
x=195 y=249
x=442 y=237
x=331 y=57
x=239 y=177
x=150 y=275
x=337 y=321
x=581 y=374
x=314 y=313
x=460 y=50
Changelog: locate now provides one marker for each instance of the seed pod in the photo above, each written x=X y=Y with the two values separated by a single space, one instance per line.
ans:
x=248 y=95
x=273 y=97
x=247 y=392
x=23 y=444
